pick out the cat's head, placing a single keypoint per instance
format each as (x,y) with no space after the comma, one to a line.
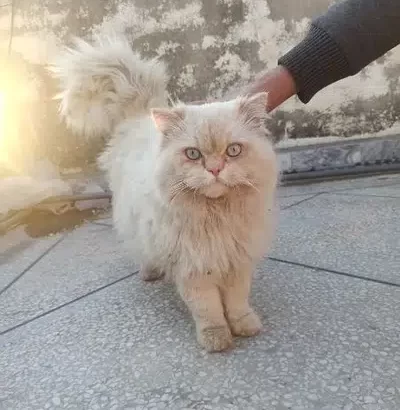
(213,149)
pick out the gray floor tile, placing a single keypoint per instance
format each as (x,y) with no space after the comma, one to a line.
(355,234)
(18,251)
(105,217)
(330,343)
(386,191)
(290,201)
(87,258)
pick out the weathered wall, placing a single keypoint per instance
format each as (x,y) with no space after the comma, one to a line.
(213,46)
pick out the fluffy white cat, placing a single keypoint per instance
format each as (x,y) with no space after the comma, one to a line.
(193,185)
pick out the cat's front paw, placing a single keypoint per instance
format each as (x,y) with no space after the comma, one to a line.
(247,325)
(149,274)
(215,339)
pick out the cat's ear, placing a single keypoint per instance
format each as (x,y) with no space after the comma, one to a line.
(168,120)
(253,109)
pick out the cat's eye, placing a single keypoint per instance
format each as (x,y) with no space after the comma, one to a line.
(234,150)
(193,153)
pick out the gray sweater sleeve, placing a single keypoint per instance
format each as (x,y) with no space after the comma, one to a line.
(342,42)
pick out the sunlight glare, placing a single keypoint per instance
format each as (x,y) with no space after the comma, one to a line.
(2,115)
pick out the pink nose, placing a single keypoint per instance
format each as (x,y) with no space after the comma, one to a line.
(215,170)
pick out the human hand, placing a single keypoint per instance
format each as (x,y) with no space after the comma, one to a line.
(278,83)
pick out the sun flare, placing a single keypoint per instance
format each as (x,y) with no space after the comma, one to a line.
(2,115)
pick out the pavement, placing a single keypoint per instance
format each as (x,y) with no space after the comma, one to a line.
(80,330)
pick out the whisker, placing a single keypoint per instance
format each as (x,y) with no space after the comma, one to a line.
(249,184)
(177,189)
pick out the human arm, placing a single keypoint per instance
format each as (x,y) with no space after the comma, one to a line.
(340,43)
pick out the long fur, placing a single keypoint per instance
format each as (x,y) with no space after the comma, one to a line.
(106,82)
(178,220)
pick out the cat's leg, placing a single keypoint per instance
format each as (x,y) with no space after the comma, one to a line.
(235,295)
(150,273)
(203,298)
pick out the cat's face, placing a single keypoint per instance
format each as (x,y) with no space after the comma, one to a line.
(214,148)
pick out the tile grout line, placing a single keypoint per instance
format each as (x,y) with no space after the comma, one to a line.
(31,265)
(336,272)
(92,292)
(302,200)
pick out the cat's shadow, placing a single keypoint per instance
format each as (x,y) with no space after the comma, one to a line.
(172,312)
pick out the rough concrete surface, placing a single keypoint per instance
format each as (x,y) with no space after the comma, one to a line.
(80,330)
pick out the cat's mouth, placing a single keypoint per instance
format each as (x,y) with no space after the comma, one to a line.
(215,190)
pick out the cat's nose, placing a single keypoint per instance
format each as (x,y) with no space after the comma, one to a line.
(214,165)
(215,170)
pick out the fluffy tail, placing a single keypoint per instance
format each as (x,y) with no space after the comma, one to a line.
(104,83)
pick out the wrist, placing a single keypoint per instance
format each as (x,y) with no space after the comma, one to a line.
(278,83)
(282,87)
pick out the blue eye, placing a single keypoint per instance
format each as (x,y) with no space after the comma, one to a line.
(193,153)
(234,150)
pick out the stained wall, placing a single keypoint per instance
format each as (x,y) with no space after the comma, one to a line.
(211,48)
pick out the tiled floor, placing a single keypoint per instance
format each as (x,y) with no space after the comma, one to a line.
(79,330)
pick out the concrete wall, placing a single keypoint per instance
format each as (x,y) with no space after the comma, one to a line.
(212,47)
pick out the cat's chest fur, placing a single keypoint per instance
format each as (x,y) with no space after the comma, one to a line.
(210,236)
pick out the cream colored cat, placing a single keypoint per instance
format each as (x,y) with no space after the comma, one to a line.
(193,186)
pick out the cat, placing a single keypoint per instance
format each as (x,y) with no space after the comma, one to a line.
(193,185)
